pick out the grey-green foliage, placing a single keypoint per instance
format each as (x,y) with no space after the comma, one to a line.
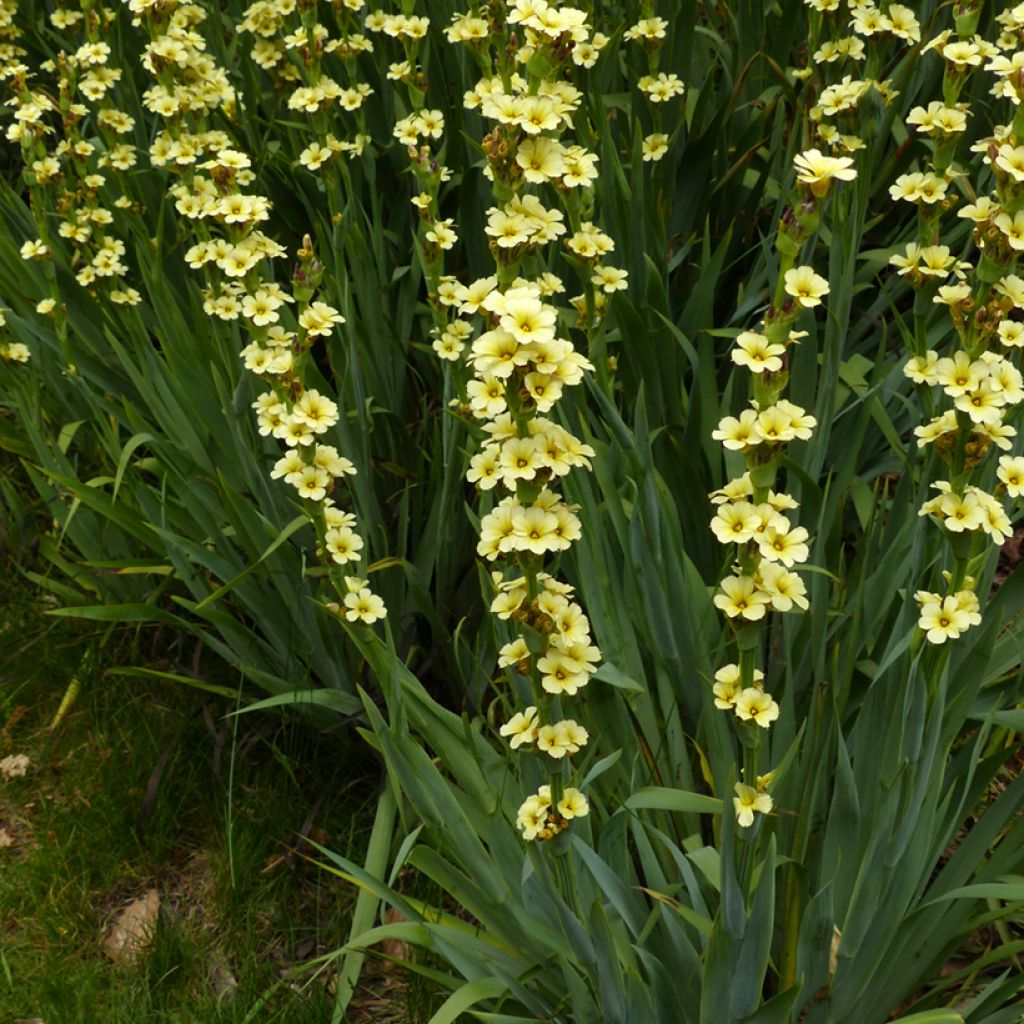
(847,901)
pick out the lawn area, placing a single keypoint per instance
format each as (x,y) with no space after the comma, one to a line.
(145,786)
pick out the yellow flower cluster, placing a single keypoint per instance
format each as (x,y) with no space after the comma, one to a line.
(919,187)
(945,618)
(847,29)
(521,361)
(71,141)
(755,517)
(313,62)
(979,382)
(983,390)
(420,132)
(1011,38)
(234,255)
(409,30)
(558,740)
(569,657)
(14,352)
(967,510)
(926,262)
(750,703)
(754,428)
(749,513)
(11,52)
(658,87)
(939,122)
(542,817)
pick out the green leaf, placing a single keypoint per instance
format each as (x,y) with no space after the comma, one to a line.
(611,886)
(661,799)
(608,673)
(777,1010)
(931,1017)
(1006,891)
(755,946)
(296,524)
(152,673)
(118,613)
(122,464)
(67,434)
(367,901)
(336,700)
(469,995)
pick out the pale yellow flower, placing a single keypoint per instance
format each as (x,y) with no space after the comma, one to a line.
(753,704)
(740,598)
(756,353)
(816,169)
(654,147)
(748,801)
(522,727)
(804,285)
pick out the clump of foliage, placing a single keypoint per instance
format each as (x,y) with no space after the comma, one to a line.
(639,484)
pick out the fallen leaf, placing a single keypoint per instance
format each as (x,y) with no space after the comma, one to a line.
(222,981)
(14,766)
(273,863)
(132,931)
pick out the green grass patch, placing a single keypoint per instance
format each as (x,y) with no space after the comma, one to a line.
(148,786)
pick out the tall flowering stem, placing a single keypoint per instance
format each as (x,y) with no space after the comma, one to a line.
(969,388)
(658,87)
(236,257)
(753,518)
(512,372)
(309,51)
(70,135)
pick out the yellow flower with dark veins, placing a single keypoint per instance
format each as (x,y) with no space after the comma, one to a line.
(541,159)
(942,619)
(1011,474)
(757,353)
(754,705)
(318,319)
(735,522)
(562,673)
(343,544)
(573,804)
(736,434)
(655,146)
(807,287)
(741,598)
(727,686)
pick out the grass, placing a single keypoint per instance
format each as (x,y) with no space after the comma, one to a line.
(150,785)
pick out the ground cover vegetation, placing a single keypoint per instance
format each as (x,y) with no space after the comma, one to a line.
(129,796)
(608,413)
